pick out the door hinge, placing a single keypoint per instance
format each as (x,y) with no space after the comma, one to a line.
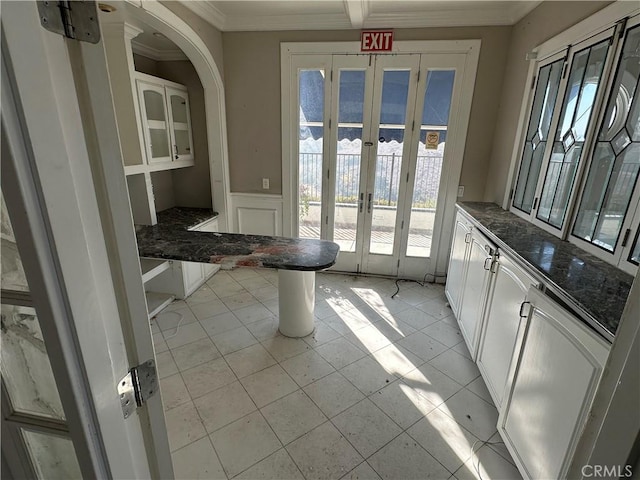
(413,125)
(137,386)
(398,263)
(533,82)
(535,203)
(329,124)
(510,194)
(407,176)
(418,76)
(331,76)
(326,220)
(73,19)
(564,69)
(626,237)
(402,225)
(328,174)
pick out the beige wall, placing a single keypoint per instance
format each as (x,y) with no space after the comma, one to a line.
(546,21)
(191,186)
(252,89)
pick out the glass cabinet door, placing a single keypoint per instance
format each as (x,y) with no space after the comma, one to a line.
(154,122)
(179,117)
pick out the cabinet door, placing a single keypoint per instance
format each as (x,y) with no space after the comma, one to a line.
(554,381)
(501,324)
(180,119)
(457,263)
(193,276)
(476,284)
(155,126)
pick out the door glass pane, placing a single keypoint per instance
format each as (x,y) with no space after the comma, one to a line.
(159,142)
(182,142)
(433,134)
(13,277)
(616,161)
(581,92)
(310,138)
(154,105)
(53,457)
(178,109)
(537,134)
(25,364)
(349,158)
(384,201)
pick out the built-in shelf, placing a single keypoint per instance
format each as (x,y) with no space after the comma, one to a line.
(156,302)
(152,267)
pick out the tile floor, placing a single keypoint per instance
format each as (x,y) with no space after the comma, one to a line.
(383,388)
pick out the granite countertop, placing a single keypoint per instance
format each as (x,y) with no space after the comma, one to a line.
(171,239)
(596,286)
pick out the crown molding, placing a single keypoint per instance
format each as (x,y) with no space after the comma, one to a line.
(157,55)
(358,14)
(207,12)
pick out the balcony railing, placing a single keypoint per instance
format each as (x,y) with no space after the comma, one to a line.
(387,183)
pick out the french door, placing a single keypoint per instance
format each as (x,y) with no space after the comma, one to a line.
(372,133)
(73,311)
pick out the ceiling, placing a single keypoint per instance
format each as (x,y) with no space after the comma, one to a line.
(252,15)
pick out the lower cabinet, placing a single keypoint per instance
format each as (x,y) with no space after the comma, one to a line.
(476,284)
(458,262)
(554,377)
(502,322)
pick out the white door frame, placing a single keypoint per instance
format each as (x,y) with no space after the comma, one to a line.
(455,150)
(63,168)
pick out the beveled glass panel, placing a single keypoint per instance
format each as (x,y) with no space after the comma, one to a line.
(435,118)
(537,134)
(178,109)
(615,165)
(13,277)
(26,369)
(53,457)
(159,142)
(577,107)
(310,150)
(154,105)
(395,91)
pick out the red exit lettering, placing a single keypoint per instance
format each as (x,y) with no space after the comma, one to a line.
(376,41)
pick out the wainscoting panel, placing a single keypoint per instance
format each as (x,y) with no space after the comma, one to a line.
(256,214)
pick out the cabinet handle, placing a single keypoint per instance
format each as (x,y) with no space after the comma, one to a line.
(490,260)
(522,309)
(361,202)
(369,203)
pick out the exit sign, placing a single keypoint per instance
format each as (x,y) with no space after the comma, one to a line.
(376,40)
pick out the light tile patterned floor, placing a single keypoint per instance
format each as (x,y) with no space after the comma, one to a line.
(384,387)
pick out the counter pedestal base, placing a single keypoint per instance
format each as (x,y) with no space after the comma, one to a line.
(297,295)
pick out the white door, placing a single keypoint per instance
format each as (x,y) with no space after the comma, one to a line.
(372,164)
(82,298)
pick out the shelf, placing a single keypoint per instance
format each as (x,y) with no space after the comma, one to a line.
(157,301)
(152,267)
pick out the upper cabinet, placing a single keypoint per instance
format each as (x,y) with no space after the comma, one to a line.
(165,122)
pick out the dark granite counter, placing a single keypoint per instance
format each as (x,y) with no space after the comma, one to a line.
(170,239)
(593,285)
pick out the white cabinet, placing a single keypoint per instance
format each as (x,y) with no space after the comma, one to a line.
(457,262)
(166,122)
(554,379)
(476,284)
(502,321)
(468,279)
(211,225)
